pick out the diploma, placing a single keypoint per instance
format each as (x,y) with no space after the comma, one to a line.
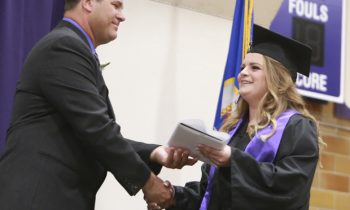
(191,133)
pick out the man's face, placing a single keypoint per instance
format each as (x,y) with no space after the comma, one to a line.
(104,20)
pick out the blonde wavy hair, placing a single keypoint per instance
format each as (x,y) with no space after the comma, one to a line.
(281,95)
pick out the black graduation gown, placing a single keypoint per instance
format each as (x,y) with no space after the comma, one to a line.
(250,185)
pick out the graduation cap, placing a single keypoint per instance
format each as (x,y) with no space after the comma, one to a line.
(294,55)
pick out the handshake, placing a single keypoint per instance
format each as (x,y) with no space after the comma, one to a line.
(160,194)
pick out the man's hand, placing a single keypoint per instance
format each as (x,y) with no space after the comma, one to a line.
(156,206)
(157,191)
(220,158)
(172,157)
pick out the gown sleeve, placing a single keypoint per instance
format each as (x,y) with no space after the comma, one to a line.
(190,196)
(283,184)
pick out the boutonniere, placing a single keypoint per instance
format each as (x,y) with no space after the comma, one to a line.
(103,66)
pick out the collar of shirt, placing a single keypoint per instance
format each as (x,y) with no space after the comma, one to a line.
(82,30)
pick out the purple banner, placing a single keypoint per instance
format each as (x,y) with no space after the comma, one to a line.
(318,23)
(22,24)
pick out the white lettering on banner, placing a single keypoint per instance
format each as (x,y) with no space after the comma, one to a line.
(314,81)
(310,10)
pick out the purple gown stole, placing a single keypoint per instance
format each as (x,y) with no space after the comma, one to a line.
(262,151)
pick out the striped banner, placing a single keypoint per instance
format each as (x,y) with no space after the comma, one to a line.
(239,44)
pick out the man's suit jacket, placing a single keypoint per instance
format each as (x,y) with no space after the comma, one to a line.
(63,136)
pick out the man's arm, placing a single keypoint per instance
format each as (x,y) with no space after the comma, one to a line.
(69,81)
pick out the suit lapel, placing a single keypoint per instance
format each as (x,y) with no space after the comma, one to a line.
(101,83)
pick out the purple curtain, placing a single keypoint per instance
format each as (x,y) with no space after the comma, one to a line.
(22,24)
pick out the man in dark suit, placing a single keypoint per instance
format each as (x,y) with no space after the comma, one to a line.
(63,137)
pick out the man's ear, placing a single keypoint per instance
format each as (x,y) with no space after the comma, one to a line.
(87,5)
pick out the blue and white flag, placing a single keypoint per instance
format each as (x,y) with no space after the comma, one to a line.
(242,26)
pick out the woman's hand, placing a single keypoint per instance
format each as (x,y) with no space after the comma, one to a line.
(220,157)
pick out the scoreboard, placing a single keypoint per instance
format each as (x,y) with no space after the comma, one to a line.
(320,24)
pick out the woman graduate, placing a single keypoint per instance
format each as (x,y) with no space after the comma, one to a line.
(272,156)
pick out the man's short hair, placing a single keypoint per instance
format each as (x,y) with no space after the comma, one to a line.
(70,4)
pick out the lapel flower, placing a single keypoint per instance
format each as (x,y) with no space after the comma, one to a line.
(103,66)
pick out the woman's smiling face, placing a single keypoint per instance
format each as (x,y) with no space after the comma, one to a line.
(252,78)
